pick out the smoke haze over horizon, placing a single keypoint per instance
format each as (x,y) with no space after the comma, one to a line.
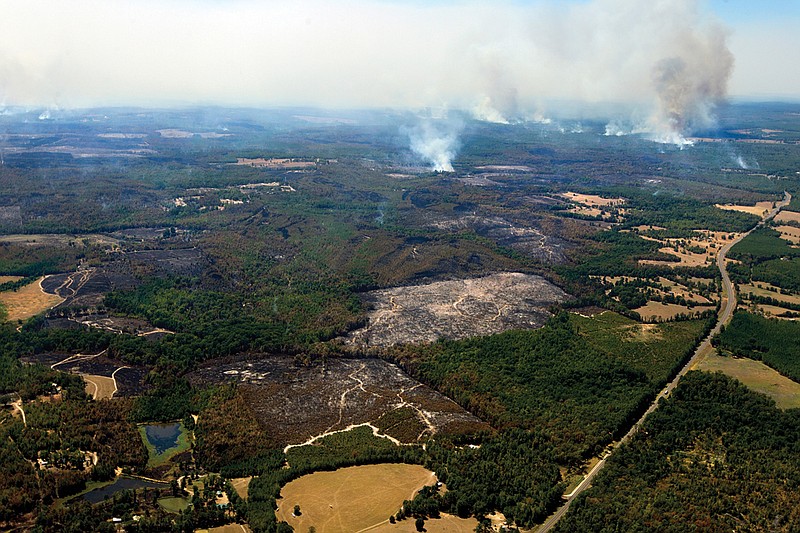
(665,61)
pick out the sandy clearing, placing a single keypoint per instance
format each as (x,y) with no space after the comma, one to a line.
(350,499)
(28,301)
(760,209)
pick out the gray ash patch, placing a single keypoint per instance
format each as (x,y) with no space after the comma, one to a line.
(457,309)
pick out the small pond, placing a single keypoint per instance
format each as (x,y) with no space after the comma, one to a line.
(123,483)
(163,436)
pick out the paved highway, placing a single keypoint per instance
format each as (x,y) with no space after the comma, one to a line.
(726,312)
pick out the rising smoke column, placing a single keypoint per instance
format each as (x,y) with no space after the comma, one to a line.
(436,141)
(690,84)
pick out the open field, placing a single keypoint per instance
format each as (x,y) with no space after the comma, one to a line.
(350,499)
(99,387)
(789,233)
(446,524)
(6,279)
(788,216)
(28,301)
(774,311)
(760,209)
(457,309)
(679,290)
(759,288)
(659,312)
(274,163)
(757,376)
(240,485)
(592,200)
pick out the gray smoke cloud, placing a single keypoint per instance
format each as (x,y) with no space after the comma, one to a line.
(505,61)
(436,142)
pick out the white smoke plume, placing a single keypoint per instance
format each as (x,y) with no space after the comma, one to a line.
(506,61)
(436,141)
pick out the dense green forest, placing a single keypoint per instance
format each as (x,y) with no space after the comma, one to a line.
(714,457)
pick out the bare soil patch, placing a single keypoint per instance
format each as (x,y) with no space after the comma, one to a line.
(757,376)
(457,309)
(297,403)
(760,209)
(28,301)
(350,499)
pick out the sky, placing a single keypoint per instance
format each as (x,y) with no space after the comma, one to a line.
(667,60)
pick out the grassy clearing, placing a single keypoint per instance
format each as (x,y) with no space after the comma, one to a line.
(6,279)
(768,291)
(156,459)
(28,301)
(787,216)
(756,376)
(229,528)
(350,499)
(173,505)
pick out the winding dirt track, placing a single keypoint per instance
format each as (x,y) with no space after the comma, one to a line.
(726,312)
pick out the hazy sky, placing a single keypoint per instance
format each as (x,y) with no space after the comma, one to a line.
(496,58)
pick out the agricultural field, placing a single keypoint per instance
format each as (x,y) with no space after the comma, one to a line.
(350,499)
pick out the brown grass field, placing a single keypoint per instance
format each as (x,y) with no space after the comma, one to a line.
(760,288)
(28,301)
(99,387)
(789,233)
(787,216)
(760,209)
(659,312)
(240,485)
(710,241)
(592,200)
(773,311)
(350,499)
(6,279)
(755,375)
(446,524)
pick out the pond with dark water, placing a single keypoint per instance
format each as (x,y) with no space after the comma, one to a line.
(123,483)
(163,436)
